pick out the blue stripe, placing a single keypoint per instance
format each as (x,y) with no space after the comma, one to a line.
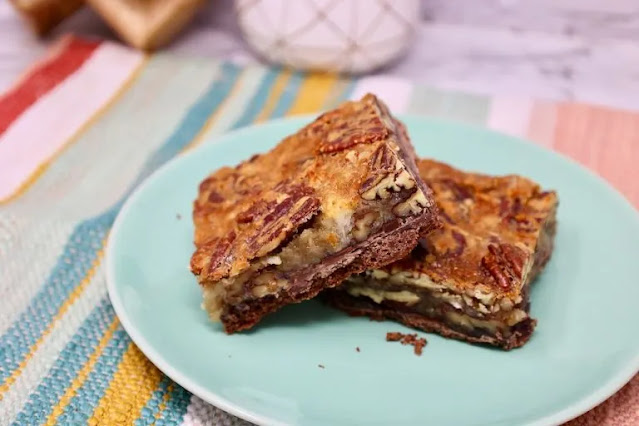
(175,409)
(259,99)
(78,255)
(72,358)
(194,119)
(80,252)
(152,406)
(87,397)
(289,94)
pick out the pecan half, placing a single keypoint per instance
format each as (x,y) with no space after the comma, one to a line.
(383,159)
(504,263)
(339,140)
(274,221)
(213,257)
(293,189)
(255,211)
(340,130)
(382,164)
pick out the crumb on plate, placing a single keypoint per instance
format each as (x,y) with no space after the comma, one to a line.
(418,343)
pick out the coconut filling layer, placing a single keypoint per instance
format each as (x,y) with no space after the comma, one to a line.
(333,230)
(424,296)
(268,275)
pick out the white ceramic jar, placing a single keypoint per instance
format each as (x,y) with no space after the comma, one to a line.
(334,35)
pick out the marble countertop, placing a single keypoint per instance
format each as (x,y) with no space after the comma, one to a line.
(582,50)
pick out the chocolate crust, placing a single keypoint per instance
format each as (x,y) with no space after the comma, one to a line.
(357,306)
(380,249)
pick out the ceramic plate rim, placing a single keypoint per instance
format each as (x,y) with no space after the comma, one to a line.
(603,392)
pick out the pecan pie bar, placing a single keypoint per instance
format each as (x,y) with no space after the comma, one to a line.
(340,196)
(470,279)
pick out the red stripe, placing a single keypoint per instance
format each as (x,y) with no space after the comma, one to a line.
(43,78)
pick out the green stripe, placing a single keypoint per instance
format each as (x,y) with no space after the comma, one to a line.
(450,105)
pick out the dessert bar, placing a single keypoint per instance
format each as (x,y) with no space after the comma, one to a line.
(470,279)
(340,196)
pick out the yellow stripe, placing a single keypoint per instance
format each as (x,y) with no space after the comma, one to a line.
(313,93)
(75,294)
(82,374)
(132,385)
(33,177)
(276,92)
(216,113)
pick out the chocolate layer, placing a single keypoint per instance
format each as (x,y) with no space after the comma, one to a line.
(513,337)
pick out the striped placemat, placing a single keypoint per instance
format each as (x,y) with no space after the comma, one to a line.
(89,122)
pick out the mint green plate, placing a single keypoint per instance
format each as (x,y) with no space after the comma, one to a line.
(585,347)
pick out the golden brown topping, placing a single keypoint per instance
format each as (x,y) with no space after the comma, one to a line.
(459,191)
(270,199)
(339,130)
(461,244)
(490,229)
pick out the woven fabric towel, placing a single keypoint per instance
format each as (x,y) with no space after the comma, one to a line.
(67,129)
